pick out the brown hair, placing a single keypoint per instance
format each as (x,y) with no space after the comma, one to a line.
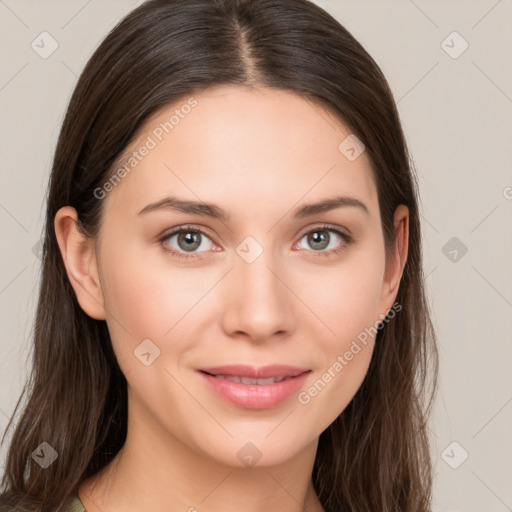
(375,455)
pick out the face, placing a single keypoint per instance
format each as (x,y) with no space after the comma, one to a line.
(253,279)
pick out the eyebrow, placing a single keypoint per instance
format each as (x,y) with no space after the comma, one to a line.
(216,212)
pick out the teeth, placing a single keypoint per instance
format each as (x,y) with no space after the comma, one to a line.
(248,380)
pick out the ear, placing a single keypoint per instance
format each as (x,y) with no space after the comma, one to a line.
(79,259)
(395,266)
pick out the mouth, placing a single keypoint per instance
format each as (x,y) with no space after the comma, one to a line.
(254,388)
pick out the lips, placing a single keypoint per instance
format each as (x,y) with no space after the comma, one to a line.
(254,387)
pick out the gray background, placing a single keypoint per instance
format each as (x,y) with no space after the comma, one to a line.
(456,109)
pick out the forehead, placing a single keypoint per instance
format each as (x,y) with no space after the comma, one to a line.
(239,145)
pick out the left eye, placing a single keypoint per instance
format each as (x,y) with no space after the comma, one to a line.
(319,239)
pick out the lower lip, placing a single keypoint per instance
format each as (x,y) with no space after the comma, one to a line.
(254,396)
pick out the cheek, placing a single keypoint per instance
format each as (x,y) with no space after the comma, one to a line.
(345,298)
(144,297)
(148,300)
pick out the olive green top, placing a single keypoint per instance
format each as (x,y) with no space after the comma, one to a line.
(76,506)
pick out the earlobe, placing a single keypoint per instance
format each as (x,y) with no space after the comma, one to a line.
(79,258)
(395,267)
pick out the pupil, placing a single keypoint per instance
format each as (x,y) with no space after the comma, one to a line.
(189,237)
(319,237)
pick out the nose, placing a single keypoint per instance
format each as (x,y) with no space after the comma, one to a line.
(258,300)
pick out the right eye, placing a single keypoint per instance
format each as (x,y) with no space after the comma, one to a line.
(188,240)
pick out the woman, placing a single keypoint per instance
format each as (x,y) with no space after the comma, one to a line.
(232,310)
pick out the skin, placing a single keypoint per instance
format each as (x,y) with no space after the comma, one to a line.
(259,154)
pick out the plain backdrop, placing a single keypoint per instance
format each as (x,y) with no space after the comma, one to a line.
(449,66)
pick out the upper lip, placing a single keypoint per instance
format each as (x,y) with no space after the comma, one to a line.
(260,372)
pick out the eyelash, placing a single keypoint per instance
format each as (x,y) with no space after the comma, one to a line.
(347,240)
